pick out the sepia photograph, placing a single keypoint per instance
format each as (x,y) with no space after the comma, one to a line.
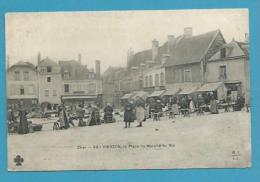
(120,90)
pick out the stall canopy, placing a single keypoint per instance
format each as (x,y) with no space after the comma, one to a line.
(218,87)
(187,90)
(79,97)
(127,96)
(210,87)
(157,93)
(141,94)
(172,91)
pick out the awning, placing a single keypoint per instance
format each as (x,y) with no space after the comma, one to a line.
(141,94)
(157,93)
(172,91)
(232,82)
(22,97)
(126,96)
(79,97)
(187,90)
(209,87)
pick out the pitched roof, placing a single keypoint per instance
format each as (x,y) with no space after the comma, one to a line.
(24,64)
(75,70)
(140,58)
(185,50)
(244,46)
(146,55)
(47,62)
(191,49)
(233,49)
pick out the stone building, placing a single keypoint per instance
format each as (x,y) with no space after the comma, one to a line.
(230,65)
(80,85)
(49,81)
(22,85)
(186,67)
(112,85)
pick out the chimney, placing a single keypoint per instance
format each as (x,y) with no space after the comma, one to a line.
(171,42)
(246,37)
(98,74)
(155,48)
(187,32)
(79,58)
(39,58)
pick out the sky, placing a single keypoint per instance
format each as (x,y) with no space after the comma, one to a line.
(108,35)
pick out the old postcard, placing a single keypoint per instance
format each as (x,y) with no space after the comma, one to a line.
(114,90)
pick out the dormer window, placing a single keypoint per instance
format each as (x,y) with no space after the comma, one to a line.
(223,53)
(66,75)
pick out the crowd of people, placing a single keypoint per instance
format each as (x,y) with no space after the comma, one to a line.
(139,109)
(66,115)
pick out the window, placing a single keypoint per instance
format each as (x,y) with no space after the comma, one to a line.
(34,101)
(157,80)
(66,75)
(187,75)
(66,88)
(26,75)
(223,53)
(46,92)
(48,69)
(42,70)
(22,90)
(48,79)
(16,75)
(146,81)
(222,72)
(150,81)
(54,93)
(162,79)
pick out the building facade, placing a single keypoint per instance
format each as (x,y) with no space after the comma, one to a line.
(49,81)
(80,85)
(230,65)
(154,78)
(112,85)
(22,85)
(186,67)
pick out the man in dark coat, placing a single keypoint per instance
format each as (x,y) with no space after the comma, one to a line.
(23,127)
(95,116)
(129,115)
(108,113)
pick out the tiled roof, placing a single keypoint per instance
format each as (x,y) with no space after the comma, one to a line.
(146,55)
(192,49)
(184,51)
(244,46)
(47,62)
(24,64)
(233,49)
(75,70)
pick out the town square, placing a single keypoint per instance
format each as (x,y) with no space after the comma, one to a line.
(88,91)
